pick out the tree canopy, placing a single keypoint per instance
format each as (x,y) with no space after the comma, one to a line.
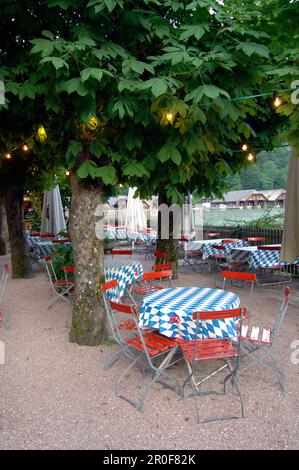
(139,87)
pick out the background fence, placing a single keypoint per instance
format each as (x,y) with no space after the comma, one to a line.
(272,236)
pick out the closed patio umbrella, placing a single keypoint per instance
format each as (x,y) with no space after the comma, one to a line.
(187,217)
(290,238)
(135,214)
(52,216)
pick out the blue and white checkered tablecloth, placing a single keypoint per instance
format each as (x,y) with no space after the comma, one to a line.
(208,249)
(122,234)
(170,312)
(125,271)
(259,259)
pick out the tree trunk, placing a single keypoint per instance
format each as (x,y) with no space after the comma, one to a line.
(170,245)
(20,258)
(2,227)
(88,323)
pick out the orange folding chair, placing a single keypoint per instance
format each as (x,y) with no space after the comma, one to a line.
(204,349)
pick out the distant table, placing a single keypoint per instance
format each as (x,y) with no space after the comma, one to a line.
(170,312)
(260,259)
(125,271)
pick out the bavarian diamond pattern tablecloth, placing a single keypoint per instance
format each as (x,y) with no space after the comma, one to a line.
(259,259)
(125,271)
(208,249)
(170,312)
(122,234)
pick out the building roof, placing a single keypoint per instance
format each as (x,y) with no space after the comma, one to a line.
(244,194)
(236,196)
(272,194)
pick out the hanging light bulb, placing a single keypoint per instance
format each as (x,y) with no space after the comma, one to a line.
(93,123)
(25,148)
(169,116)
(8,156)
(67,173)
(42,135)
(244,147)
(120,185)
(277,102)
(250,157)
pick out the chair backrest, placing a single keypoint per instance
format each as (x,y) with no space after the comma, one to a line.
(157,275)
(47,235)
(68,270)
(35,234)
(162,267)
(121,252)
(281,314)
(238,275)
(219,247)
(160,254)
(50,269)
(199,316)
(230,240)
(269,248)
(213,234)
(108,285)
(255,239)
(251,277)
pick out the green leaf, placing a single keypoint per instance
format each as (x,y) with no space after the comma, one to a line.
(97,148)
(88,168)
(107,174)
(134,169)
(73,150)
(250,48)
(159,87)
(176,156)
(193,30)
(91,72)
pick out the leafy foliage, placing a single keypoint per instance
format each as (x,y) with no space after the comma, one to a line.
(105,93)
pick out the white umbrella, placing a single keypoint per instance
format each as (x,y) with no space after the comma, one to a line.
(52,216)
(290,238)
(135,214)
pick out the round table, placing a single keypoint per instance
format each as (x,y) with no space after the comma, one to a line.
(170,312)
(125,271)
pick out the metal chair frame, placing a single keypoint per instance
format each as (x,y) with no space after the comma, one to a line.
(62,288)
(202,349)
(259,351)
(244,277)
(117,332)
(150,347)
(147,284)
(267,278)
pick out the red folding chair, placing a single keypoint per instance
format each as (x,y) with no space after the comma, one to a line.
(3,281)
(244,277)
(118,326)
(162,267)
(255,240)
(257,344)
(115,251)
(61,287)
(151,350)
(151,282)
(202,349)
(161,256)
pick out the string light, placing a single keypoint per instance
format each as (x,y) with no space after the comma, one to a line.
(277,102)
(67,173)
(25,148)
(169,116)
(244,147)
(41,132)
(250,157)
(8,156)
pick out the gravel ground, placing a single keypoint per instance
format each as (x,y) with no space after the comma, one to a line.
(55,395)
